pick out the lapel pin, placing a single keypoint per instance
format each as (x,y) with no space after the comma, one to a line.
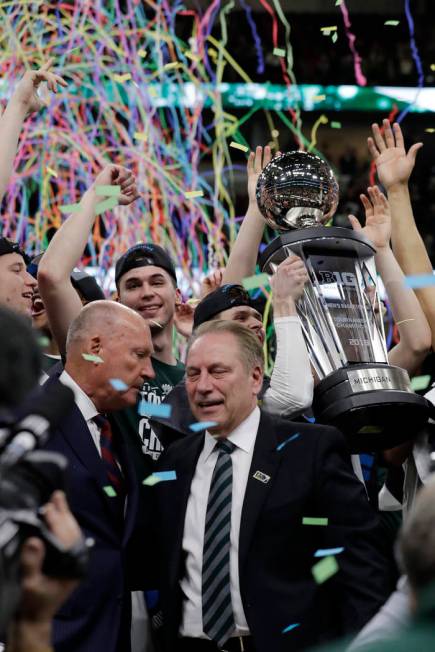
(259,475)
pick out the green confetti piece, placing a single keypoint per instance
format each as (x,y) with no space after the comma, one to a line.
(43,341)
(420,382)
(191,194)
(335,125)
(242,148)
(325,569)
(392,23)
(70,208)
(338,2)
(279,52)
(334,37)
(108,191)
(151,480)
(106,205)
(110,491)
(256,281)
(314,520)
(92,358)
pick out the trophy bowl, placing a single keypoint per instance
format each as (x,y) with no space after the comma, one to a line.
(297,190)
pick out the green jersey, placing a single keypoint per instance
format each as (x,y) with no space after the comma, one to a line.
(141,437)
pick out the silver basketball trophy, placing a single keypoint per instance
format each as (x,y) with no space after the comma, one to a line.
(340,310)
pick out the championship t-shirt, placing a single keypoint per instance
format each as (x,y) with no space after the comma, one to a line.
(142,440)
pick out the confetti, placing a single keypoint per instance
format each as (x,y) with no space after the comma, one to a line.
(191,194)
(108,191)
(334,37)
(326,552)
(160,476)
(256,281)
(172,66)
(319,98)
(106,205)
(432,66)
(279,52)
(70,208)
(202,425)
(419,281)
(392,23)
(290,627)
(139,136)
(403,321)
(118,384)
(284,443)
(419,383)
(122,78)
(338,2)
(147,409)
(335,125)
(327,30)
(310,419)
(314,520)
(191,56)
(324,569)
(51,171)
(43,341)
(92,358)
(430,130)
(142,53)
(242,148)
(110,491)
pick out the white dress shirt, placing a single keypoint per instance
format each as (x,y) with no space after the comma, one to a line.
(86,407)
(243,437)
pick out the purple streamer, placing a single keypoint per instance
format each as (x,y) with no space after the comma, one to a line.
(257,41)
(417,60)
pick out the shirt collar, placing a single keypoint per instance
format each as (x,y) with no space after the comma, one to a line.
(82,400)
(242,437)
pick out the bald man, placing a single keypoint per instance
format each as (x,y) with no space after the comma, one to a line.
(106,342)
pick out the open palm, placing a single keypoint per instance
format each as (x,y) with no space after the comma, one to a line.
(394,165)
(378,219)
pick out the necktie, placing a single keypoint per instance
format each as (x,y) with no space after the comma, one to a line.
(217,610)
(108,458)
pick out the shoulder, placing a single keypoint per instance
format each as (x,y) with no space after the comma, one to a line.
(309,433)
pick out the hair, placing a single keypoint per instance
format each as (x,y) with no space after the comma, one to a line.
(107,314)
(417,540)
(20,357)
(251,352)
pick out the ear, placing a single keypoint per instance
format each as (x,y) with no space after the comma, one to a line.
(95,345)
(178,297)
(257,378)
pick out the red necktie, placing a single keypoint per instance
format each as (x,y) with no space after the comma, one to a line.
(108,458)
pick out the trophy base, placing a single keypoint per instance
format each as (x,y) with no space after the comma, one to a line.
(372,405)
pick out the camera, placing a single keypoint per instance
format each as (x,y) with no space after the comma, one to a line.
(28,478)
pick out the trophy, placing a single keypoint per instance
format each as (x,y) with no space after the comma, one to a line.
(357,391)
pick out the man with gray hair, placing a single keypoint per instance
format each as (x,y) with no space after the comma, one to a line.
(107,360)
(238,525)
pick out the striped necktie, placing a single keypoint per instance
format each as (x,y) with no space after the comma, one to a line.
(217,611)
(108,457)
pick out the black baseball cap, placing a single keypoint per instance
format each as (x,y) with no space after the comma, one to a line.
(227,296)
(84,283)
(141,255)
(10,247)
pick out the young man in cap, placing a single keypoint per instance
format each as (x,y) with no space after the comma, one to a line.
(16,285)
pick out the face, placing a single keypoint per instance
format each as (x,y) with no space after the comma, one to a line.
(17,285)
(150,292)
(246,316)
(126,352)
(219,386)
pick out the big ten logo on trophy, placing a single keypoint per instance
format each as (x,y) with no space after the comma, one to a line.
(347,279)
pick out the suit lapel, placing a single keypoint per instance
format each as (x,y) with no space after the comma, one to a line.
(79,438)
(265,460)
(132,488)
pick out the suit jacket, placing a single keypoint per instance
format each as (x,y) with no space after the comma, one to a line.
(96,618)
(310,476)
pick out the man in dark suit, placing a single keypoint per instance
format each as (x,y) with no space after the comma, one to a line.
(106,342)
(236,556)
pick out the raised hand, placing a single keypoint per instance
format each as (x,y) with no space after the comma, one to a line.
(211,282)
(256,162)
(378,218)
(394,165)
(116,175)
(26,92)
(183,318)
(289,279)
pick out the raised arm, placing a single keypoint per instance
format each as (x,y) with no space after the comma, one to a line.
(291,384)
(411,322)
(66,248)
(394,166)
(243,255)
(24,101)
